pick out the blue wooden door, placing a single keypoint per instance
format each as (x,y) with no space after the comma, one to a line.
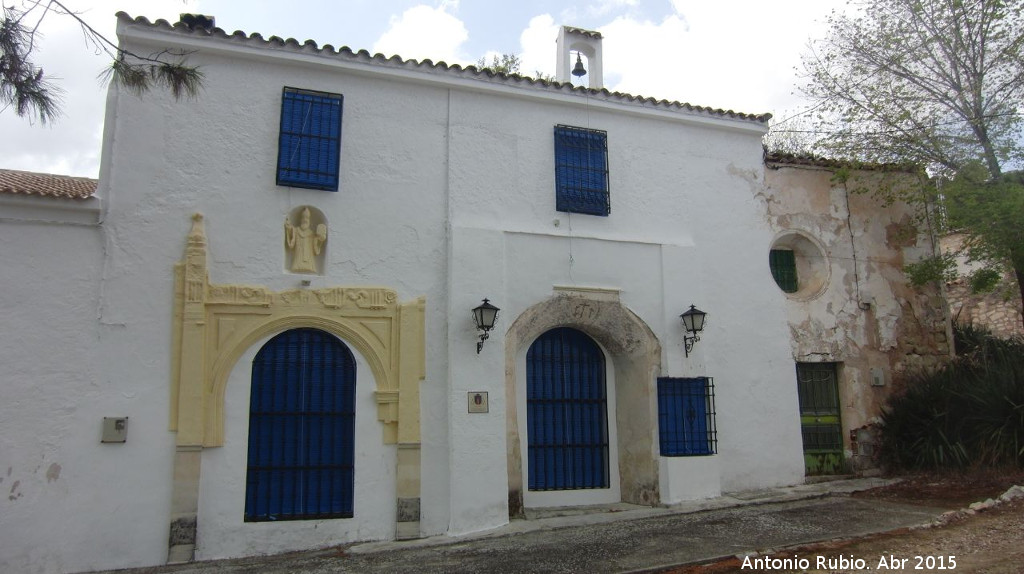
(301,429)
(567,412)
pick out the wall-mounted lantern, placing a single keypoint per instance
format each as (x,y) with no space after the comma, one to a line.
(693,322)
(484,316)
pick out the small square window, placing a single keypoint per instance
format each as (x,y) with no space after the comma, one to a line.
(581,171)
(783,265)
(686,416)
(309,149)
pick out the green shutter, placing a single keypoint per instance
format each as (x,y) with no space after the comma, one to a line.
(783,265)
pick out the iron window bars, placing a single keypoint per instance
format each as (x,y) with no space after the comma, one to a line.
(686,416)
(309,150)
(301,429)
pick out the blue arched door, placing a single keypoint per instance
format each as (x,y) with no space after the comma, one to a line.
(301,429)
(567,412)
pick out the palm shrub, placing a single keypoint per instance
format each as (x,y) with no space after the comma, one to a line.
(969,412)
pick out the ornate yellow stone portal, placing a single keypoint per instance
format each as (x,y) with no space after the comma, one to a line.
(215,324)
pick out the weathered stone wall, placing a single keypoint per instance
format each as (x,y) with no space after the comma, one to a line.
(999,311)
(855,305)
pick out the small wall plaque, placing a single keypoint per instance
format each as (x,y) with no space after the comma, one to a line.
(478,402)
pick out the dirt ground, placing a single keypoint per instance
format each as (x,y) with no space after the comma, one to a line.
(986,542)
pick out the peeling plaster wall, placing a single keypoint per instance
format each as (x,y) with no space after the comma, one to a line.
(866,315)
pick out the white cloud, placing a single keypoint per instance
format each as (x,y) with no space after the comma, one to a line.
(744,62)
(72,144)
(423,32)
(606,6)
(537,43)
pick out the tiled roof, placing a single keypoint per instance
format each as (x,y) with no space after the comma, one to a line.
(46,184)
(589,33)
(781,158)
(344,52)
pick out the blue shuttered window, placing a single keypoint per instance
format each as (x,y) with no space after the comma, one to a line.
(567,420)
(309,150)
(581,171)
(301,429)
(686,416)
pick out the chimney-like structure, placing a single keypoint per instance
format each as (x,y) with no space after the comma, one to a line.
(198,21)
(572,40)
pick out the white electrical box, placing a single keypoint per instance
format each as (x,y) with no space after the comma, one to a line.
(877,377)
(115,429)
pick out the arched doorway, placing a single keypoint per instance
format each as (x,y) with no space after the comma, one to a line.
(567,412)
(632,363)
(301,445)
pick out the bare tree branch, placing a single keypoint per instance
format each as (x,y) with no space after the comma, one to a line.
(29,92)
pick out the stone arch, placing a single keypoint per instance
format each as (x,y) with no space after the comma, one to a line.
(214,324)
(635,353)
(349,332)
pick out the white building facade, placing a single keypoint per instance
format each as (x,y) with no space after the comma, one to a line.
(269,324)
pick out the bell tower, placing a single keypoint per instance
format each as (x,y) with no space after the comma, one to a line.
(586,43)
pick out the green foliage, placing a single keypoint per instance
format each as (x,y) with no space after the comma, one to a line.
(509,64)
(938,83)
(504,64)
(985,280)
(139,77)
(934,82)
(22,85)
(940,268)
(990,212)
(26,89)
(968,413)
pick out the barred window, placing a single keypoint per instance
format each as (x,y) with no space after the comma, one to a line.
(301,429)
(686,416)
(581,171)
(309,147)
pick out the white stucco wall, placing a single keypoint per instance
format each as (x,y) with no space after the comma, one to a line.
(69,502)
(446,191)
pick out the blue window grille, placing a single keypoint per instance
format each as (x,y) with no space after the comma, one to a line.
(686,416)
(301,429)
(309,149)
(567,420)
(581,171)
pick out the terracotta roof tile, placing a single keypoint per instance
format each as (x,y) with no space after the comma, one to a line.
(590,33)
(782,158)
(46,184)
(485,74)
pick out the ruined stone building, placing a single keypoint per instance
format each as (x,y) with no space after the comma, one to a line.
(998,310)
(257,334)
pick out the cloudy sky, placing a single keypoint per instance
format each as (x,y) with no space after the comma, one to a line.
(731,54)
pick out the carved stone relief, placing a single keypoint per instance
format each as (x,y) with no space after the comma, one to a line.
(305,233)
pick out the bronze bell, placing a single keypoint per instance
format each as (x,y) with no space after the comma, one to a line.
(579,70)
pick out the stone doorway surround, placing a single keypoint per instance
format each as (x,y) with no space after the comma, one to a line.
(215,324)
(635,354)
